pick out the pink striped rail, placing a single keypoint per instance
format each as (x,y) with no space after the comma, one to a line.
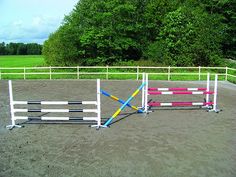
(176,89)
(179,93)
(158,104)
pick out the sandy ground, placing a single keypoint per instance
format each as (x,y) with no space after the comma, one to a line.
(165,143)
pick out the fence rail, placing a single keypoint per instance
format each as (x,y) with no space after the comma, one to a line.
(116,72)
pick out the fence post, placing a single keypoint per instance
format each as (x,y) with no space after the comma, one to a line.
(24,73)
(169,73)
(137,73)
(107,73)
(77,72)
(50,72)
(226,73)
(199,73)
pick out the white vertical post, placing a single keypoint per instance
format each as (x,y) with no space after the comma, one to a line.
(226,73)
(137,73)
(208,88)
(11,103)
(13,123)
(98,105)
(199,73)
(215,94)
(24,73)
(143,91)
(169,73)
(107,73)
(77,72)
(146,94)
(50,72)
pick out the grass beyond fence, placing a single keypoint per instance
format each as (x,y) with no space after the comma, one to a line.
(21,60)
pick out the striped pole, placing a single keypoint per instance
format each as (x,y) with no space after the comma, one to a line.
(124,105)
(121,101)
(180,93)
(56,110)
(176,89)
(55,118)
(173,104)
(55,102)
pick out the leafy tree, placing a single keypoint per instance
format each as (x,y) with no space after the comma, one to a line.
(34,49)
(12,48)
(104,32)
(173,32)
(20,49)
(226,8)
(2,48)
(189,36)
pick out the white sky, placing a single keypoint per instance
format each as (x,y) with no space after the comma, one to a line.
(31,20)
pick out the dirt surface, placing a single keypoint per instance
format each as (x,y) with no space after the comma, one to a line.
(165,143)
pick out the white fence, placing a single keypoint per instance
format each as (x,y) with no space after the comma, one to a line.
(114,72)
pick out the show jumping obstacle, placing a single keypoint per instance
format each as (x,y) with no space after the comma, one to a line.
(212,106)
(146,105)
(97,103)
(108,122)
(121,101)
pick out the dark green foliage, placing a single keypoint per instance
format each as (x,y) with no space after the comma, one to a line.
(2,49)
(34,49)
(20,49)
(170,32)
(188,36)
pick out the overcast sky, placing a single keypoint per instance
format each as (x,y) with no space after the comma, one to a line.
(31,20)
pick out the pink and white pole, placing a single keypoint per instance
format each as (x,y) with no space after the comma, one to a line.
(176,91)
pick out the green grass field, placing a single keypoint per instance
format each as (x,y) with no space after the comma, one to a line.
(21,60)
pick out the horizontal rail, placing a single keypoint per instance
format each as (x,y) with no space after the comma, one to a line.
(176,89)
(56,110)
(80,71)
(54,118)
(231,69)
(91,73)
(231,75)
(157,104)
(179,93)
(115,67)
(56,102)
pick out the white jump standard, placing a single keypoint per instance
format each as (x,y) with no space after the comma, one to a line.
(97,103)
(211,106)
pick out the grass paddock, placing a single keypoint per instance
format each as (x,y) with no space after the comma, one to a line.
(21,60)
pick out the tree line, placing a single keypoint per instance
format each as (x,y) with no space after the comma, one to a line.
(20,49)
(167,32)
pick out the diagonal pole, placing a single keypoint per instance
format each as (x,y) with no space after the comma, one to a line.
(121,101)
(124,105)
